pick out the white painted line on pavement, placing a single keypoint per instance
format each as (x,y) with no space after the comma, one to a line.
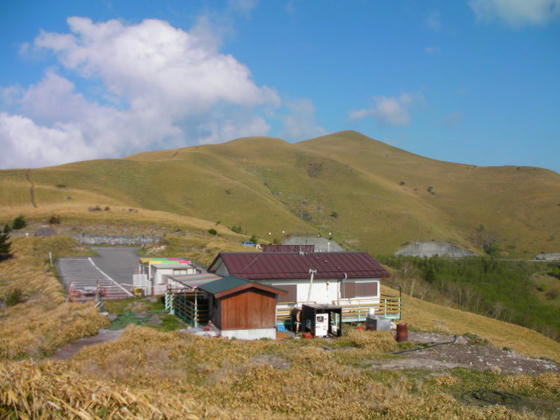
(108,277)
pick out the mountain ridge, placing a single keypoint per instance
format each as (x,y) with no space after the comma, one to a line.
(368,194)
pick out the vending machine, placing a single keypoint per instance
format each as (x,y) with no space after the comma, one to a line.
(321,325)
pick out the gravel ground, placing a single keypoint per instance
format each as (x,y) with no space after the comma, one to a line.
(463,352)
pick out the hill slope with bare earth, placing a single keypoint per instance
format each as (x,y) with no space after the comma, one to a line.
(370,195)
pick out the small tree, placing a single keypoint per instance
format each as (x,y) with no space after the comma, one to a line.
(253,239)
(54,219)
(5,245)
(19,222)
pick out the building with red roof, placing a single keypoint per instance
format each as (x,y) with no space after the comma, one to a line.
(339,278)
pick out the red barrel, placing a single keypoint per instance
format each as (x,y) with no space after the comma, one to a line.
(402,332)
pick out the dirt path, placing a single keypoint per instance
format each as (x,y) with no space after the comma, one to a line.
(32,188)
(441,352)
(102,337)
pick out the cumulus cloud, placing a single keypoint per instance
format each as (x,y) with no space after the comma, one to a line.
(517,12)
(299,122)
(25,141)
(168,88)
(389,110)
(153,62)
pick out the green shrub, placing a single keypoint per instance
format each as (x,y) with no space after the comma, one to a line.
(19,222)
(236,229)
(5,246)
(212,231)
(14,297)
(501,289)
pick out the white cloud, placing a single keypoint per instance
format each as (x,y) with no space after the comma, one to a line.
(517,12)
(433,21)
(299,123)
(168,88)
(24,142)
(389,110)
(153,62)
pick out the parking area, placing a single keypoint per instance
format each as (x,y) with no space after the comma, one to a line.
(111,271)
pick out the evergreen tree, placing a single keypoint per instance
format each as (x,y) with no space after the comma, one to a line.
(5,246)
(19,222)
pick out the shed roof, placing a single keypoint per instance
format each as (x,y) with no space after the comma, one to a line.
(194,281)
(163,260)
(231,284)
(332,265)
(177,266)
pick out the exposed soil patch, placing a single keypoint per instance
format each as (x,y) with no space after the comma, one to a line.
(442,352)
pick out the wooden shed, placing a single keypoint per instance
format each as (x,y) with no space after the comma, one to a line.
(243,309)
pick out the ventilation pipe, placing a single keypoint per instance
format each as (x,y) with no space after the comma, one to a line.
(342,285)
(312,272)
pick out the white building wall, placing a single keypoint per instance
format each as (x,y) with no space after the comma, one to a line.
(327,291)
(160,273)
(322,291)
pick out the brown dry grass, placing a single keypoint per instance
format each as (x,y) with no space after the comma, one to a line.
(377,341)
(44,321)
(200,247)
(269,379)
(119,217)
(48,391)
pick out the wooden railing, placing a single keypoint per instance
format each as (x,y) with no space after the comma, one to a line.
(388,307)
(183,305)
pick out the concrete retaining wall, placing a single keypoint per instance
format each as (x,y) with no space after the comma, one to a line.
(431,249)
(255,334)
(116,240)
(549,257)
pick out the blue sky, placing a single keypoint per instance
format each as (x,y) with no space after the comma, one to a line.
(473,81)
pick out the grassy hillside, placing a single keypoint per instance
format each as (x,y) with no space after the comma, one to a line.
(524,293)
(37,320)
(370,195)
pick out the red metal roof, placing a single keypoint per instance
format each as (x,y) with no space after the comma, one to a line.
(288,248)
(274,265)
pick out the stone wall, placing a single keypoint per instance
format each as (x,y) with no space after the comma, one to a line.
(549,257)
(431,249)
(116,239)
